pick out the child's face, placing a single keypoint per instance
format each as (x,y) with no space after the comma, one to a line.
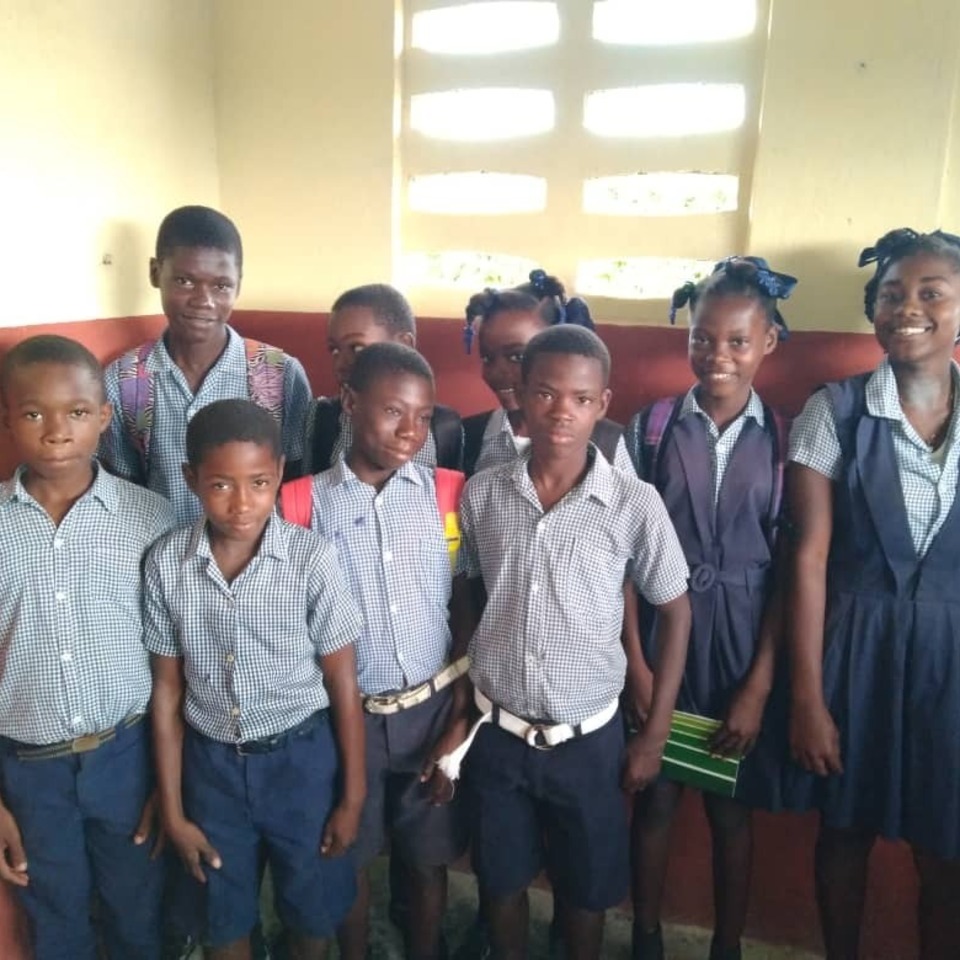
(350,330)
(391,420)
(729,337)
(503,338)
(55,413)
(237,484)
(562,399)
(917,314)
(198,288)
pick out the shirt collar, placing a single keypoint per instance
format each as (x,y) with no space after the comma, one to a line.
(340,473)
(881,395)
(598,483)
(159,358)
(103,489)
(754,407)
(273,543)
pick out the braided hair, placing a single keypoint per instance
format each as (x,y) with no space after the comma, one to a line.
(542,294)
(740,277)
(897,245)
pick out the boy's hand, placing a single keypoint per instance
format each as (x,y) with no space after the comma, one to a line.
(442,788)
(814,739)
(741,726)
(639,697)
(341,830)
(13,858)
(194,848)
(150,820)
(644,757)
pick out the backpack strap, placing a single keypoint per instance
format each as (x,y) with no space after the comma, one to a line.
(296,501)
(449,485)
(778,428)
(136,398)
(447,431)
(474,429)
(326,429)
(266,366)
(659,420)
(606,435)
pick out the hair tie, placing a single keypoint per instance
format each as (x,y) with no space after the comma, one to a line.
(777,286)
(578,313)
(681,297)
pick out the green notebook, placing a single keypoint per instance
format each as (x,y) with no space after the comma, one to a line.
(687,757)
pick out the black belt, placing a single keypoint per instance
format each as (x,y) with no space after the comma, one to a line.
(269,744)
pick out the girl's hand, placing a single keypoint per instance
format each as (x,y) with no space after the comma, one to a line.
(194,848)
(150,821)
(741,726)
(814,739)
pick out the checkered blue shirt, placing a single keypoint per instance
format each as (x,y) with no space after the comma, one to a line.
(250,648)
(174,405)
(548,645)
(500,445)
(928,478)
(426,456)
(72,660)
(394,553)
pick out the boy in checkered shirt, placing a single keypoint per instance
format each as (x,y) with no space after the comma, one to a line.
(553,537)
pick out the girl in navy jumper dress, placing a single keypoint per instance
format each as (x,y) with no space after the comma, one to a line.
(875,597)
(716,455)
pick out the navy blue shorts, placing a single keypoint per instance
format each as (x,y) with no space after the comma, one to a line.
(398,804)
(276,803)
(77,816)
(562,809)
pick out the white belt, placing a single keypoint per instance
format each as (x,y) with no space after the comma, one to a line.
(395,702)
(537,735)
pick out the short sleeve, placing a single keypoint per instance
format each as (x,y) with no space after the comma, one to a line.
(468,557)
(297,399)
(116,451)
(813,437)
(659,568)
(333,618)
(159,631)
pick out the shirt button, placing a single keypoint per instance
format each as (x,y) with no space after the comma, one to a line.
(77,721)
(393,608)
(66,656)
(387,556)
(61,596)
(378,503)
(534,587)
(57,542)
(235,712)
(230,658)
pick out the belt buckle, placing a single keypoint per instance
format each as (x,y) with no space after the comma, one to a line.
(536,737)
(382,699)
(87,743)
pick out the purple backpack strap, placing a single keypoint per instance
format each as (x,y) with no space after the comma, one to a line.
(136,398)
(265,370)
(659,418)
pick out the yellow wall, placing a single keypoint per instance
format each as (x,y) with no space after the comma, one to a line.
(106,122)
(282,112)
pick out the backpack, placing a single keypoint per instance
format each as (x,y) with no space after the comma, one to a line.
(657,423)
(265,372)
(325,428)
(606,436)
(296,504)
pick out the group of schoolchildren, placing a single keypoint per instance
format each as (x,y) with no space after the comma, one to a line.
(278,631)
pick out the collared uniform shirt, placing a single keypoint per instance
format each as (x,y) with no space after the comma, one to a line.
(501,445)
(174,406)
(250,648)
(392,548)
(721,444)
(72,660)
(548,645)
(928,477)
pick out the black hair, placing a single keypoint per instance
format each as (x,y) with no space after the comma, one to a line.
(897,245)
(542,293)
(388,305)
(749,277)
(570,341)
(384,360)
(197,226)
(231,421)
(49,348)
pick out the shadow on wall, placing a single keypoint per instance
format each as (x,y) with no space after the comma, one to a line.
(125,252)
